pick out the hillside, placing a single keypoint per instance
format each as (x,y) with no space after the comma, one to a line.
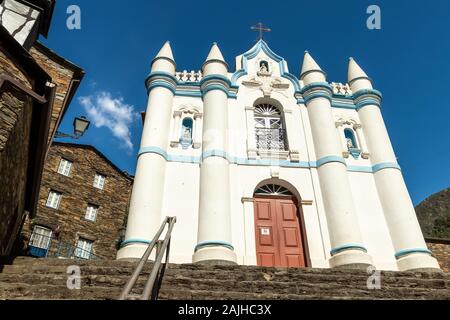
(434,215)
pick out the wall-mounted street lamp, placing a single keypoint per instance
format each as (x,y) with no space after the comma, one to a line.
(80,126)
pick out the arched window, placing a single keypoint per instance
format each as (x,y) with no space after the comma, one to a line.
(350,139)
(186,132)
(269,129)
(273,190)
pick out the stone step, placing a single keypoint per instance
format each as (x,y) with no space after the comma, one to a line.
(440,280)
(259,287)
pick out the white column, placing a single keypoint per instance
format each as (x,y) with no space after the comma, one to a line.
(411,249)
(347,245)
(197,131)
(144,217)
(292,136)
(176,129)
(214,222)
(249,222)
(252,151)
(348,248)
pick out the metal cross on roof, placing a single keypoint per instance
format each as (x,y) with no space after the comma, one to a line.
(261,29)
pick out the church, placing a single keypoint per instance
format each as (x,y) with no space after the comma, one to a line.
(264,168)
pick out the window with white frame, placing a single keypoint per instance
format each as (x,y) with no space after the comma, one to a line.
(54,199)
(99,181)
(269,128)
(65,166)
(91,212)
(84,248)
(41,237)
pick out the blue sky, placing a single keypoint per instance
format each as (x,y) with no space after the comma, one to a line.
(408,59)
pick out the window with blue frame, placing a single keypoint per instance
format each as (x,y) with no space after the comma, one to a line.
(186,133)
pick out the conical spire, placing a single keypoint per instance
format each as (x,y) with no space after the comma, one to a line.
(309,64)
(215,63)
(215,54)
(355,71)
(165,52)
(164,60)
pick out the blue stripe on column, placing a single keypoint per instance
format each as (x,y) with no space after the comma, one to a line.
(405,252)
(215,244)
(154,150)
(329,159)
(214,153)
(135,241)
(345,247)
(387,165)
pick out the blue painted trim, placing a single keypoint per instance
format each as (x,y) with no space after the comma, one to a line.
(162,84)
(211,87)
(367,102)
(265,162)
(387,165)
(361,169)
(161,74)
(317,95)
(214,243)
(315,85)
(364,92)
(330,159)
(192,94)
(350,246)
(154,150)
(134,241)
(405,252)
(340,105)
(213,77)
(215,153)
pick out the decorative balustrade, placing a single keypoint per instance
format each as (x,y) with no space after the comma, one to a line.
(341,89)
(191,76)
(271,139)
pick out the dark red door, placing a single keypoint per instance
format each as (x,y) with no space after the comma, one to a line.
(279,241)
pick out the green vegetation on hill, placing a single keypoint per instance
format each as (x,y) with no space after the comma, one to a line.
(434,215)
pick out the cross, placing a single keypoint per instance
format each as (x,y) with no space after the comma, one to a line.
(261,29)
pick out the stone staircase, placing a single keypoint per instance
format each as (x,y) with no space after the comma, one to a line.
(46,279)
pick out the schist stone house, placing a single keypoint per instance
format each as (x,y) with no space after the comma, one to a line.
(263,168)
(36,88)
(83,204)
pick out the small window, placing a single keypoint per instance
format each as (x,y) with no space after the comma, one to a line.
(65,166)
(54,199)
(99,181)
(91,212)
(186,132)
(350,139)
(41,237)
(84,249)
(264,67)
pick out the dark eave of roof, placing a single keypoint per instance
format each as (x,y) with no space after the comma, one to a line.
(78,73)
(90,147)
(47,8)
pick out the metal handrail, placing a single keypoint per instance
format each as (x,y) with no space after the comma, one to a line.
(150,291)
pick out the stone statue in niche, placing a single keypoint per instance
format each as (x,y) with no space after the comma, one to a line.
(350,143)
(264,69)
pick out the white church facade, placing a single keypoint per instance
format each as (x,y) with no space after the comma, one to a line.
(263,168)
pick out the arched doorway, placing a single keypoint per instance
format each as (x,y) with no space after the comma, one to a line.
(280,237)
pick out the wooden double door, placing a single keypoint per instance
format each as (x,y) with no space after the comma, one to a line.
(279,236)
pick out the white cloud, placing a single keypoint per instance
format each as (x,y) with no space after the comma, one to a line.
(105,111)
